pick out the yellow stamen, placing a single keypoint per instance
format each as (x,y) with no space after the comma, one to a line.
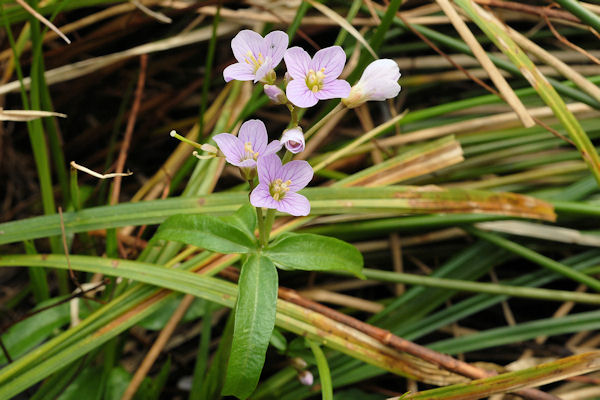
(278,188)
(314,80)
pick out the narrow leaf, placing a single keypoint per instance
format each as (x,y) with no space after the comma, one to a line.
(254,321)
(311,252)
(207,232)
(530,377)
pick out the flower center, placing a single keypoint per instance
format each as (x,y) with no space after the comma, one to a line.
(314,80)
(255,62)
(279,188)
(249,152)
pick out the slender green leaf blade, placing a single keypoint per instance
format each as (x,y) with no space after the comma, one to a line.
(207,232)
(254,321)
(311,252)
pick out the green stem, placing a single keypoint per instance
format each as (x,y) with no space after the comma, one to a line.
(294,113)
(287,157)
(268,224)
(322,121)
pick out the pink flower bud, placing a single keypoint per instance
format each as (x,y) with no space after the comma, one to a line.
(306,378)
(274,93)
(293,140)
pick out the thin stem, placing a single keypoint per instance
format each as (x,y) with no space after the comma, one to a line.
(268,224)
(323,120)
(294,113)
(262,236)
(287,157)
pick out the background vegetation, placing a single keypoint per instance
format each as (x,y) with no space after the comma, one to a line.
(476,210)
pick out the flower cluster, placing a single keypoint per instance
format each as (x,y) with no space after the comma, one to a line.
(307,81)
(278,184)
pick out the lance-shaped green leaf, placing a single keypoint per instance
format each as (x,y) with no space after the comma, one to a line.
(311,252)
(207,232)
(254,321)
(244,218)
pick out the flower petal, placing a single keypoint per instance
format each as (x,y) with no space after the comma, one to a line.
(338,88)
(379,80)
(293,139)
(274,46)
(261,197)
(239,72)
(331,59)
(272,148)
(247,163)
(269,168)
(246,41)
(295,204)
(296,62)
(298,93)
(255,132)
(381,69)
(299,172)
(263,70)
(231,146)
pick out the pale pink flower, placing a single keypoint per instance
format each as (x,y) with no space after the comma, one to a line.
(245,149)
(279,183)
(257,56)
(379,81)
(315,79)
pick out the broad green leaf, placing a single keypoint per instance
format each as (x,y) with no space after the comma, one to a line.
(207,232)
(311,252)
(244,218)
(254,322)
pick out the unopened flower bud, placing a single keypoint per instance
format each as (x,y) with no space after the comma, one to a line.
(306,378)
(269,78)
(274,93)
(298,363)
(293,140)
(379,81)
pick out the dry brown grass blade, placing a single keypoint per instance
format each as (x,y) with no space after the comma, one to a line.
(473,125)
(403,167)
(503,87)
(43,20)
(27,115)
(530,229)
(344,24)
(531,377)
(82,68)
(178,157)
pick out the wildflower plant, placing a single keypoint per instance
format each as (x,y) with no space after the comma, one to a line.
(275,186)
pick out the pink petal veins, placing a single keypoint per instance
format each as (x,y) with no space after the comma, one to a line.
(296,62)
(331,60)
(246,41)
(298,93)
(254,132)
(299,172)
(334,90)
(294,204)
